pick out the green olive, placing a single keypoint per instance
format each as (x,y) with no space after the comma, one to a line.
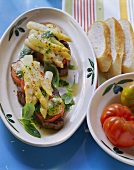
(127,96)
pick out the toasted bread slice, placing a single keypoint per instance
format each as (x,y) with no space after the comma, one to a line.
(99,36)
(116,45)
(128,59)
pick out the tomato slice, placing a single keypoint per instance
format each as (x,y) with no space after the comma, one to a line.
(118,124)
(15,77)
(64,61)
(53,118)
(22,85)
(39,117)
(20,81)
(50,118)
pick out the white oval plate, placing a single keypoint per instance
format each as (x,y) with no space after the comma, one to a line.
(83,57)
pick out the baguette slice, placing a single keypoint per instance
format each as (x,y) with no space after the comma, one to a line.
(128,59)
(117,47)
(99,36)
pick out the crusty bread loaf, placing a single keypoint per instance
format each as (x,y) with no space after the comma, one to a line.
(128,59)
(116,45)
(99,36)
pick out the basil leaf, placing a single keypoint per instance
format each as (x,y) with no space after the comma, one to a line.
(25,51)
(72,67)
(70,87)
(67,97)
(30,128)
(63,83)
(28,110)
(50,67)
(68,106)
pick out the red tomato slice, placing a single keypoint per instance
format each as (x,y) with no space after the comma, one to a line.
(22,85)
(20,81)
(53,118)
(15,77)
(118,124)
(39,117)
(50,118)
(64,61)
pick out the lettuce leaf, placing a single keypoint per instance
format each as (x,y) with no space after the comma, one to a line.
(50,67)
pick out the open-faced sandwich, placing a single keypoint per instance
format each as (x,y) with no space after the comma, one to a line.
(43,60)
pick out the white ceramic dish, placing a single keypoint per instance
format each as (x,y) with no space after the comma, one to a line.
(86,74)
(104,96)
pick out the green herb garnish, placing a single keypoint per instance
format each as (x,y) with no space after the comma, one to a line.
(20,74)
(70,87)
(30,128)
(25,51)
(48,34)
(48,51)
(28,110)
(63,83)
(52,109)
(72,67)
(68,106)
(27,120)
(50,67)
(68,96)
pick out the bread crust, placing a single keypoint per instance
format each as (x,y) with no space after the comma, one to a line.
(104,61)
(116,66)
(128,61)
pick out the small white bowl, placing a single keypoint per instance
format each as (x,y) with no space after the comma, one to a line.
(97,103)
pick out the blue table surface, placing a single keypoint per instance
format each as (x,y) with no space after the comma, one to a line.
(78,152)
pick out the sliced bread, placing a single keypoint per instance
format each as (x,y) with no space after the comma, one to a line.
(128,59)
(99,36)
(116,46)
